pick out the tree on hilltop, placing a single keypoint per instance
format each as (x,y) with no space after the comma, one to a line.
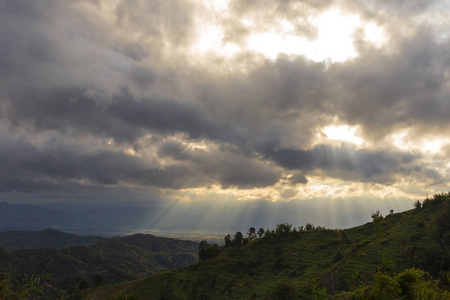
(238,237)
(251,233)
(261,232)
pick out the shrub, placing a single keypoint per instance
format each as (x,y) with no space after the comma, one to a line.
(384,287)
(410,280)
(309,226)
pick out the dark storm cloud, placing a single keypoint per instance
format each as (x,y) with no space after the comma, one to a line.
(65,109)
(26,166)
(166,115)
(365,165)
(230,169)
(60,164)
(124,118)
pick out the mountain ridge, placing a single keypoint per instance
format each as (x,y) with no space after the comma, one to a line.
(47,238)
(29,217)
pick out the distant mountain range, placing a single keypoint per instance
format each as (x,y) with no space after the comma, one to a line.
(27,217)
(103,261)
(48,238)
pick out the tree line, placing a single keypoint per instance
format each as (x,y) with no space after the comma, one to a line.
(208,251)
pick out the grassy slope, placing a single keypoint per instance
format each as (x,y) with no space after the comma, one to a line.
(323,257)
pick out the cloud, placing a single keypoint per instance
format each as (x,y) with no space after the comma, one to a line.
(381,92)
(115,96)
(363,165)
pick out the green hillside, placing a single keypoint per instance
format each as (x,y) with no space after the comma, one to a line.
(109,261)
(295,263)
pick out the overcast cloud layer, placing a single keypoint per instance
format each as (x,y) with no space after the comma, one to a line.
(135,102)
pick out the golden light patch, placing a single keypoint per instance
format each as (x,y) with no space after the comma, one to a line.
(375,35)
(429,145)
(433,146)
(330,188)
(131,152)
(342,133)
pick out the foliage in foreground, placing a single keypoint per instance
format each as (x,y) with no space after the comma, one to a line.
(412,283)
(31,290)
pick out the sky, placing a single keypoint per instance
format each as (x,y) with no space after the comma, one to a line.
(220,110)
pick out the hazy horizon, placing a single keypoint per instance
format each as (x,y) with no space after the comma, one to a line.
(198,222)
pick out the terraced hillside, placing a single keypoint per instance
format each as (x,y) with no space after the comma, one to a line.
(293,263)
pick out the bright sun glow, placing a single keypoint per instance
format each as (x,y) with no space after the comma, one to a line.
(333,43)
(272,44)
(343,133)
(430,145)
(374,34)
(335,39)
(433,146)
(210,37)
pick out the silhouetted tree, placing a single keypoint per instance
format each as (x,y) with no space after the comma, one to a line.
(376,216)
(309,226)
(238,238)
(261,232)
(283,228)
(228,241)
(251,233)
(417,204)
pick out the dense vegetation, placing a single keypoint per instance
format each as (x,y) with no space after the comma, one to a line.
(60,272)
(398,256)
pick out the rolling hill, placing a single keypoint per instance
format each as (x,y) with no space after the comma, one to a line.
(295,263)
(109,261)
